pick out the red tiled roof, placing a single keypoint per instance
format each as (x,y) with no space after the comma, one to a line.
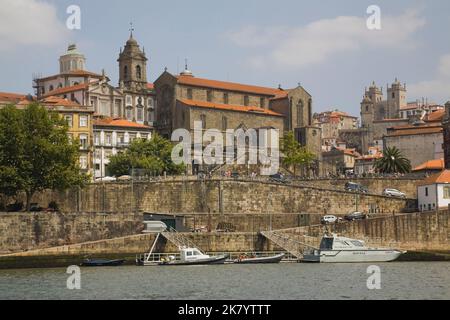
(230,107)
(78,87)
(118,122)
(150,86)
(11,97)
(436,116)
(415,131)
(81,73)
(231,86)
(437,164)
(441,177)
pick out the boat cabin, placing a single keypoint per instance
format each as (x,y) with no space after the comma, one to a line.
(340,243)
(189,254)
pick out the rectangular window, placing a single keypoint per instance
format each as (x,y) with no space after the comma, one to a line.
(203,120)
(224,123)
(117,105)
(84,141)
(83,162)
(132,136)
(108,138)
(83,121)
(189,94)
(140,114)
(446,192)
(209,95)
(69,120)
(426,192)
(120,139)
(129,114)
(246,100)
(262,102)
(129,101)
(225,98)
(97,139)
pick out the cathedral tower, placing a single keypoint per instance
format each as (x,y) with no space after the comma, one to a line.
(396,99)
(367,112)
(132,65)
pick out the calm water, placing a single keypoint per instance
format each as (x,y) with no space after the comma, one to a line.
(284,281)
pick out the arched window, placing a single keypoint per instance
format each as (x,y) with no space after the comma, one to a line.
(125,72)
(138,72)
(300,113)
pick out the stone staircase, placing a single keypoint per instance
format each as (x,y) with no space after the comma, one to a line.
(284,241)
(287,242)
(178,239)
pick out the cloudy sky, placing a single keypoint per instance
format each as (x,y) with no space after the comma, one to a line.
(324,46)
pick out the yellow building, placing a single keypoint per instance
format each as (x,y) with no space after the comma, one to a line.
(80,121)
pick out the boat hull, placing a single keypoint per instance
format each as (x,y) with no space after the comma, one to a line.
(352,256)
(213,260)
(102,263)
(273,259)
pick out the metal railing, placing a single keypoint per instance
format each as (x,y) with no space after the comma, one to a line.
(156,258)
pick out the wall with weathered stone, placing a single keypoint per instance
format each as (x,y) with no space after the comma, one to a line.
(375,185)
(415,232)
(26,231)
(217,196)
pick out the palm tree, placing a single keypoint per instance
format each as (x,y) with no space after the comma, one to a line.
(393,161)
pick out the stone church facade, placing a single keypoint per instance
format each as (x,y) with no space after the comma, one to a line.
(183,99)
(446,125)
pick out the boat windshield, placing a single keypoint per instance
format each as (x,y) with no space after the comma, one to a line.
(326,244)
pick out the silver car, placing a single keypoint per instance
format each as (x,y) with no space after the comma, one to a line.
(394,193)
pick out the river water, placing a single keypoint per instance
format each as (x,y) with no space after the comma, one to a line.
(399,280)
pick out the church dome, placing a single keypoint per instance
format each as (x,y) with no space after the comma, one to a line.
(187,73)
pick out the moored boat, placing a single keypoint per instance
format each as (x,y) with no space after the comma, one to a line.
(102,263)
(193,256)
(334,249)
(254,260)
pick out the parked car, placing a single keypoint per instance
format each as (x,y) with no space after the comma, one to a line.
(355,216)
(329,219)
(393,193)
(278,178)
(356,187)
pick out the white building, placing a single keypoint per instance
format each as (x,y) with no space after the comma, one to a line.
(112,135)
(434,192)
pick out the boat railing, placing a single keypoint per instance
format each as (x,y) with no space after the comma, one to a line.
(155,258)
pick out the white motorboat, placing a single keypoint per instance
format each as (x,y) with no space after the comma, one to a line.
(334,249)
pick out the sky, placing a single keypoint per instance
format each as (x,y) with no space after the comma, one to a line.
(323,45)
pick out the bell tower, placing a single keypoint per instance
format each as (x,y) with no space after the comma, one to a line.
(367,112)
(132,65)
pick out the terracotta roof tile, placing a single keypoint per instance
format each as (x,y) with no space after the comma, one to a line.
(118,122)
(436,116)
(441,177)
(415,131)
(81,73)
(437,164)
(231,86)
(230,107)
(78,87)
(150,86)
(11,97)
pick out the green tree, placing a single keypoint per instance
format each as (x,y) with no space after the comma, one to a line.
(36,152)
(393,162)
(294,154)
(153,156)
